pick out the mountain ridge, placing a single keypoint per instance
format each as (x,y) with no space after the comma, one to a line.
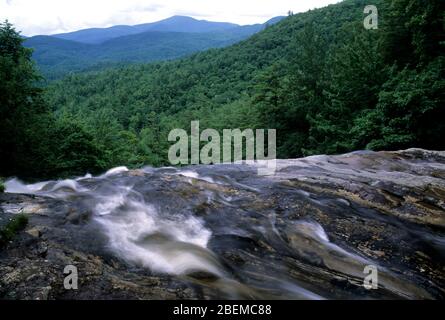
(57,56)
(175,23)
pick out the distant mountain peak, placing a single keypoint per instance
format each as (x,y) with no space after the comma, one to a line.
(180,17)
(177,23)
(171,38)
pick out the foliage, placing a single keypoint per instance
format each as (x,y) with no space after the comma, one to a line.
(33,142)
(9,231)
(323,81)
(258,83)
(408,111)
(414,32)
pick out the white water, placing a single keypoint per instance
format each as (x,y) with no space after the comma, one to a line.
(60,189)
(137,232)
(141,235)
(17,186)
(115,171)
(195,175)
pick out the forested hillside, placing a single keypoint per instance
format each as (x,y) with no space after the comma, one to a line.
(57,57)
(320,78)
(33,142)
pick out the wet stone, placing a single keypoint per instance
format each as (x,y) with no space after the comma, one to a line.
(223,232)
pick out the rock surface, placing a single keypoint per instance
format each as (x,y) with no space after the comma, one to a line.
(219,232)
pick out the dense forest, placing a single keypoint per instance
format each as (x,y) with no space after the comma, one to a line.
(327,84)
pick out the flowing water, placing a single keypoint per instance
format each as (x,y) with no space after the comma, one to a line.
(296,235)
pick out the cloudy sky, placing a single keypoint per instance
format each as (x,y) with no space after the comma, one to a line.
(55,16)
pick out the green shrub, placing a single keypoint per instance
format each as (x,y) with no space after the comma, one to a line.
(8,232)
(2,187)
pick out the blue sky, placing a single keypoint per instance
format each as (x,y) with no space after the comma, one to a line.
(55,16)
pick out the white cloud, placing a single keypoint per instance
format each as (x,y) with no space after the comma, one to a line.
(54,16)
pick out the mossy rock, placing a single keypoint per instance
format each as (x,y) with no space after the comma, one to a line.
(9,231)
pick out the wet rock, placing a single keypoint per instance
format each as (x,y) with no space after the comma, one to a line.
(223,232)
(43,293)
(34,232)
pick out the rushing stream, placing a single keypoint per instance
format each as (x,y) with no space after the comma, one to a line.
(307,232)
